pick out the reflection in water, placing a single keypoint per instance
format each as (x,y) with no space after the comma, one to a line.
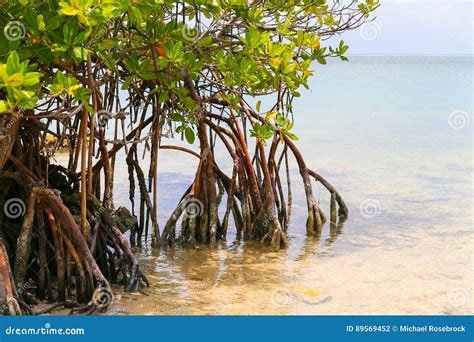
(314,244)
(335,229)
(413,255)
(243,278)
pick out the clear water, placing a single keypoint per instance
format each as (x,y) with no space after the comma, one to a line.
(381,129)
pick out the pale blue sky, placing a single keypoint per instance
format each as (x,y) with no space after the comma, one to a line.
(430,27)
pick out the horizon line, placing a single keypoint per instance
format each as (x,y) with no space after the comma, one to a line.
(407,55)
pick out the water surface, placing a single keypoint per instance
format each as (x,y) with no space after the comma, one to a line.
(381,129)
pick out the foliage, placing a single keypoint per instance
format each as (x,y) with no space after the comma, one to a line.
(191,67)
(268,48)
(19,84)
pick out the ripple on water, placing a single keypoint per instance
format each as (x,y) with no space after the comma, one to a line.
(408,259)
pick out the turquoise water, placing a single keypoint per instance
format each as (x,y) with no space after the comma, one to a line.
(394,135)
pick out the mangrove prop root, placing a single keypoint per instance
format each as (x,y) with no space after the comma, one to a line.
(254,191)
(52,255)
(69,243)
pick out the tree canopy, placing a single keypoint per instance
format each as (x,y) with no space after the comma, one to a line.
(241,47)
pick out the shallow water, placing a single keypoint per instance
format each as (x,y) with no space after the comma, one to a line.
(381,130)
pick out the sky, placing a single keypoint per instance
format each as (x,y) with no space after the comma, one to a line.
(416,27)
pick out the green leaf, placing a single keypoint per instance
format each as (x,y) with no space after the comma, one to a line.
(291,136)
(40,22)
(31,79)
(54,22)
(107,44)
(55,89)
(252,37)
(13,63)
(164,96)
(15,80)
(81,37)
(177,117)
(28,103)
(189,134)
(80,53)
(127,82)
(321,60)
(67,9)
(67,34)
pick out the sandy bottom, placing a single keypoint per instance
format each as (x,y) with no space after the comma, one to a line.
(419,274)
